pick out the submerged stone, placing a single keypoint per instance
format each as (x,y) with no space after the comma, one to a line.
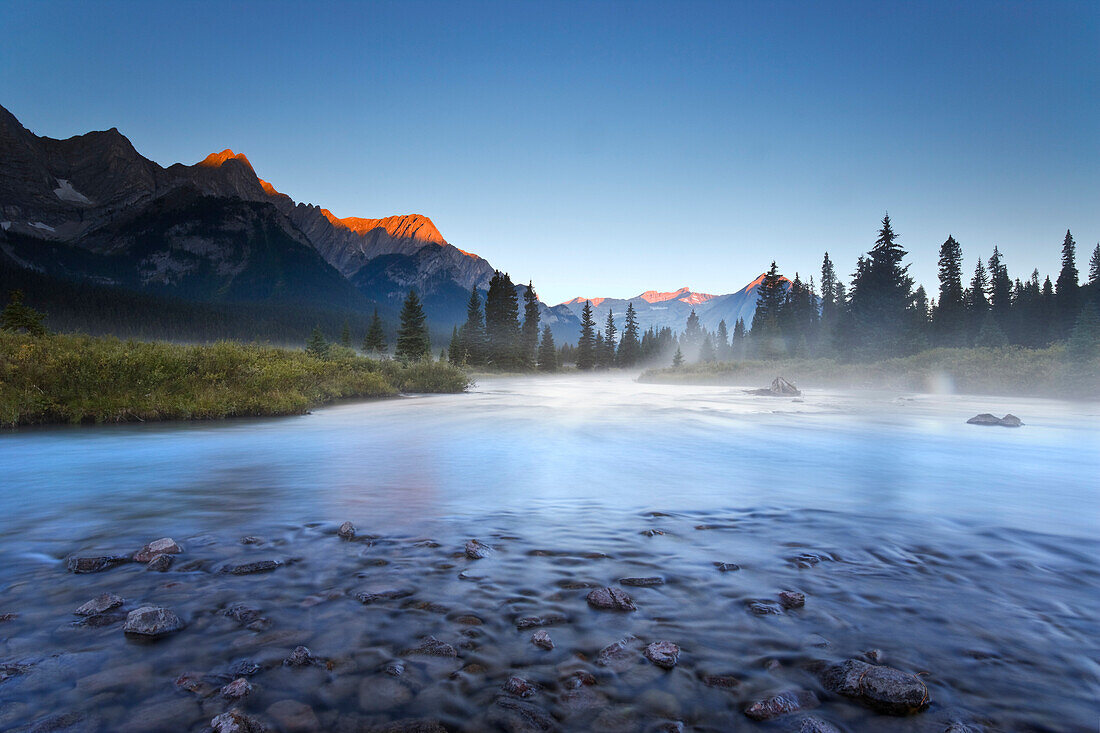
(236,689)
(251,568)
(541,639)
(235,721)
(163,546)
(813,724)
(433,647)
(100,604)
(664,654)
(611,599)
(97,564)
(783,703)
(476,550)
(152,622)
(549,619)
(792,599)
(519,687)
(300,657)
(346,531)
(642,582)
(160,563)
(881,688)
(620,655)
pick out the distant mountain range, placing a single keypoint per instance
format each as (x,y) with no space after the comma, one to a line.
(94,211)
(660,309)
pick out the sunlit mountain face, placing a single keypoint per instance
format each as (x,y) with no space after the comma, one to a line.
(658,309)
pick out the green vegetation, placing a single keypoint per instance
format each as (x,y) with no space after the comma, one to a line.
(1050,372)
(69,378)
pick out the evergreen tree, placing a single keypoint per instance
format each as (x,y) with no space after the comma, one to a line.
(882,293)
(990,334)
(1094,267)
(375,341)
(413,343)
(599,352)
(629,347)
(950,317)
(548,355)
(502,322)
(722,342)
(586,343)
(454,349)
(530,331)
(471,336)
(607,354)
(345,335)
(692,337)
(737,343)
(977,305)
(18,317)
(828,292)
(706,350)
(1066,287)
(1000,287)
(678,358)
(317,346)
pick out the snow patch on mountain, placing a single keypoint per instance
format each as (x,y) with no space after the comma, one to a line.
(66,192)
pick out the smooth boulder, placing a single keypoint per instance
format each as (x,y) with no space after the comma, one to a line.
(163,546)
(1008,421)
(98,564)
(881,688)
(152,622)
(100,604)
(664,654)
(611,599)
(783,703)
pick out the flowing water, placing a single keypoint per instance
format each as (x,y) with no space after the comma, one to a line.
(965,554)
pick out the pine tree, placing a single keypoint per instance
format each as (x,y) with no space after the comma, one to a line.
(18,317)
(706,350)
(1094,266)
(882,293)
(413,343)
(828,292)
(629,347)
(471,336)
(692,337)
(990,334)
(530,330)
(502,322)
(1084,340)
(722,342)
(765,319)
(375,341)
(1066,286)
(678,358)
(977,305)
(548,355)
(586,343)
(607,354)
(345,335)
(455,352)
(317,346)
(1000,286)
(737,343)
(950,317)
(598,351)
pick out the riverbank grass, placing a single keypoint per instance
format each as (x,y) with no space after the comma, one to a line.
(75,379)
(1050,372)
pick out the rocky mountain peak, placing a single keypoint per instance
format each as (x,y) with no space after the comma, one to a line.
(216,160)
(402,226)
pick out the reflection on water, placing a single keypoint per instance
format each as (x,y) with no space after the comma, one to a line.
(964,553)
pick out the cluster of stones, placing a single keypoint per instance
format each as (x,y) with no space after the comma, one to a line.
(883,689)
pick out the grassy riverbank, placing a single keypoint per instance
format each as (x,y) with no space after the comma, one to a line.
(69,378)
(1010,370)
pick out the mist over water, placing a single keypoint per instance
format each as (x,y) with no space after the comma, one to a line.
(965,553)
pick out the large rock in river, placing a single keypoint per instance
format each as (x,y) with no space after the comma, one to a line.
(152,622)
(881,688)
(611,599)
(163,546)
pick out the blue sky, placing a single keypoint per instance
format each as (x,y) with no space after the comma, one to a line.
(603,149)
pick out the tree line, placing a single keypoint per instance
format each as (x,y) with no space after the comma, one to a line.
(495,338)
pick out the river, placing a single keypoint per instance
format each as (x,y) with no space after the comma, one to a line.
(968,555)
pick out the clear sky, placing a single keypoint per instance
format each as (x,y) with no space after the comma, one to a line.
(603,149)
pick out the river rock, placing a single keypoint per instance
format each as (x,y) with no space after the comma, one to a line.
(881,688)
(789,701)
(97,564)
(957,726)
(346,531)
(664,654)
(1008,421)
(236,689)
(548,619)
(163,546)
(247,616)
(293,716)
(251,568)
(764,608)
(541,639)
(252,540)
(388,594)
(721,681)
(813,724)
(642,582)
(727,567)
(791,599)
(300,657)
(160,563)
(6,617)
(653,532)
(611,599)
(409,725)
(433,647)
(519,716)
(152,622)
(519,687)
(100,604)
(476,550)
(620,655)
(235,721)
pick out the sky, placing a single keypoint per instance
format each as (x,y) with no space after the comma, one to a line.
(604,149)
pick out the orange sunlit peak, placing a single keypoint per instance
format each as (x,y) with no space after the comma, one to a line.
(405,226)
(268,188)
(216,160)
(654,296)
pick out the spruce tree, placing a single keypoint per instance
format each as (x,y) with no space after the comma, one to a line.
(374,342)
(455,352)
(1000,287)
(471,336)
(548,355)
(413,343)
(678,358)
(828,292)
(19,318)
(530,331)
(586,343)
(317,346)
(1084,340)
(345,335)
(950,318)
(737,343)
(722,342)
(607,357)
(629,347)
(692,337)
(599,352)
(765,328)
(1094,267)
(882,293)
(706,350)
(502,322)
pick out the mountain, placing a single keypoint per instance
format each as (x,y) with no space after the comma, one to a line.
(92,208)
(660,309)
